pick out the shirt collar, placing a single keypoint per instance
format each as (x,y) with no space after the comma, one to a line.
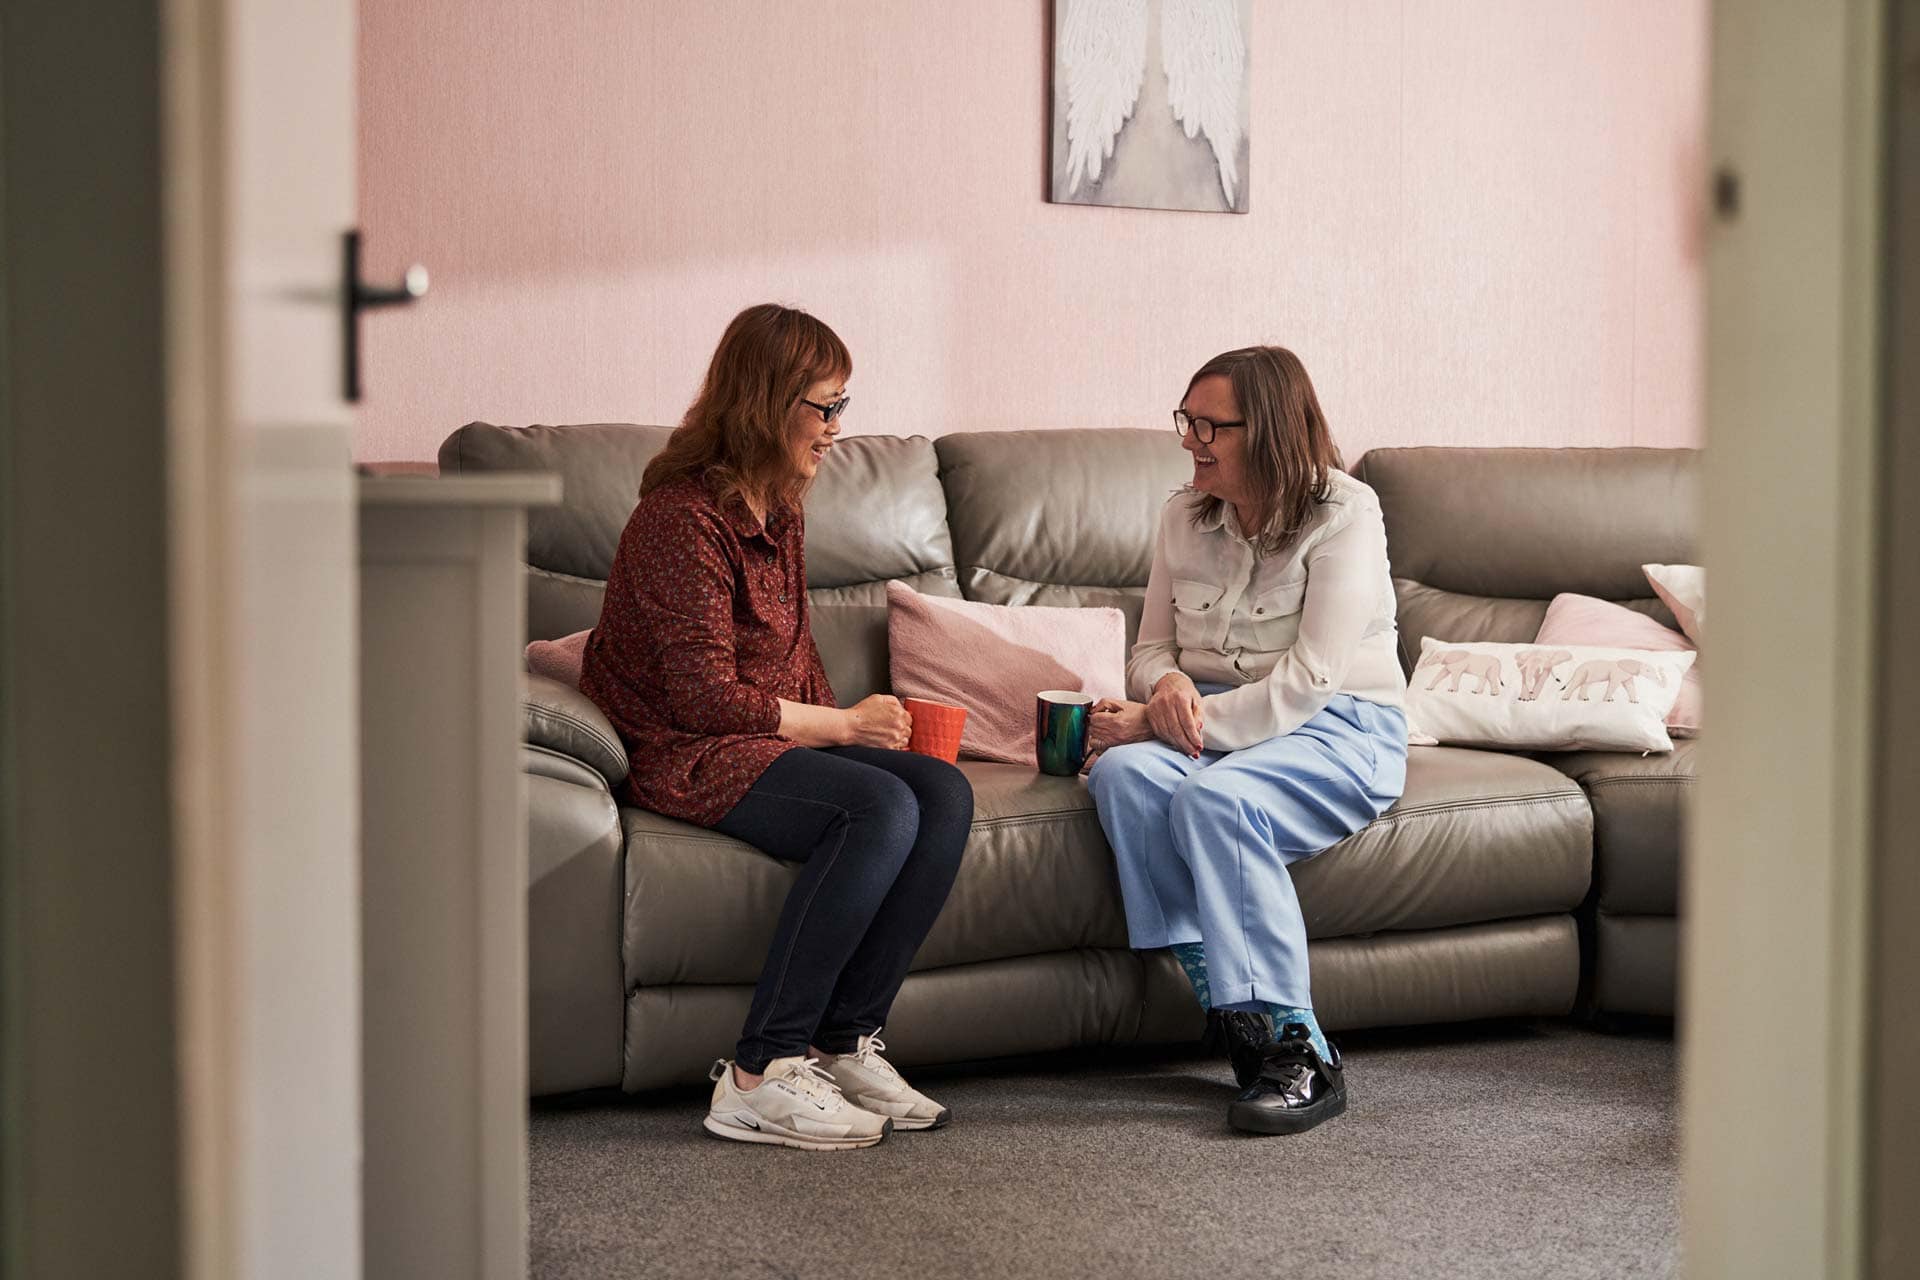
(746,526)
(1213,521)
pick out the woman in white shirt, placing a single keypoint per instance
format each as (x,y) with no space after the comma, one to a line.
(1267,723)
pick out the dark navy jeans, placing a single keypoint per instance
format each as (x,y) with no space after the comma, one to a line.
(881,833)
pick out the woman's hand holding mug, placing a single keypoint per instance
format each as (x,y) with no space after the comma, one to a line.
(1173,716)
(879,721)
(1115,724)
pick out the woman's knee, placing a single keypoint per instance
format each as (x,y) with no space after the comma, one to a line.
(945,798)
(1128,771)
(1202,796)
(1114,767)
(932,779)
(887,814)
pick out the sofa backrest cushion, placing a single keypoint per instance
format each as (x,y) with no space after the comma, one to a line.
(599,466)
(1058,517)
(1481,540)
(875,514)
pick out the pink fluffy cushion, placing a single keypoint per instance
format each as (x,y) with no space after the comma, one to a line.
(559,659)
(1583,620)
(992,660)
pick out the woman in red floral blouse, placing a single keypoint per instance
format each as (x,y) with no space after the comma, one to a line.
(704,661)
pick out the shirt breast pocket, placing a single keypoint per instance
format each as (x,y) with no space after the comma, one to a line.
(1197,620)
(1273,616)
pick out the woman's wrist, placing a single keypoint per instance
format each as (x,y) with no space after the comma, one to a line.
(812,725)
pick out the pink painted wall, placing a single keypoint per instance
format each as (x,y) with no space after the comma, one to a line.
(1478,223)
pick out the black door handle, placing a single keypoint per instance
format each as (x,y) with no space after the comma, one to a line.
(357,296)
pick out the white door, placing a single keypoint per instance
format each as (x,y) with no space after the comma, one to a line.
(260,190)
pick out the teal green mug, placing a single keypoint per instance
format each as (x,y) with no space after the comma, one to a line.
(1060,730)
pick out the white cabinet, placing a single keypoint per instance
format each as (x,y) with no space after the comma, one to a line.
(443,873)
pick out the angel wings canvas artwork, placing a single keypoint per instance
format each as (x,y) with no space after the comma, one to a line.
(1150,103)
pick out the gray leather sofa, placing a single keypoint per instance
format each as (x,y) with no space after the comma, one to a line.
(1475,896)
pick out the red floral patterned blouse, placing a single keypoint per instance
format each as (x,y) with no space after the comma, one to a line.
(704,628)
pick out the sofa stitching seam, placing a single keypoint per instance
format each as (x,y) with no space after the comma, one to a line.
(562,574)
(568,718)
(541,748)
(1623,782)
(1028,819)
(1036,582)
(1468,805)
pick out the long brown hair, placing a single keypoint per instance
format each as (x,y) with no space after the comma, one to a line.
(1289,448)
(735,432)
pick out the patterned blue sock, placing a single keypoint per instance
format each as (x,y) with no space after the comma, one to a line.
(1282,1014)
(1193,959)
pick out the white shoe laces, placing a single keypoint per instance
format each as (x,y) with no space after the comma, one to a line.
(812,1082)
(868,1056)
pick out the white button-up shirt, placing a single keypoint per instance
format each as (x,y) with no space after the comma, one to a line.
(1289,631)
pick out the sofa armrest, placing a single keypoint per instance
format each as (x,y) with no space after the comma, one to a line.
(565,720)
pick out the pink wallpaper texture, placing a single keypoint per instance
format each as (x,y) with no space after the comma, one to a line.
(1477,223)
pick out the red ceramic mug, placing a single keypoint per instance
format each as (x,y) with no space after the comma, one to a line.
(936,728)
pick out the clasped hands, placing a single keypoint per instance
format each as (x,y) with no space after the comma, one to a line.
(1172,715)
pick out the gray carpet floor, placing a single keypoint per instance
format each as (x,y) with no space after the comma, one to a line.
(1500,1150)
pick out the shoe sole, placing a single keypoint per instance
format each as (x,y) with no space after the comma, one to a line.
(1268,1120)
(734,1133)
(940,1121)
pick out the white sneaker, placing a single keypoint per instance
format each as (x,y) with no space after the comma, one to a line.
(872,1084)
(796,1104)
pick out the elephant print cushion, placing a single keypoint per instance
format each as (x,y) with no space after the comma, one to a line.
(1544,697)
(1577,619)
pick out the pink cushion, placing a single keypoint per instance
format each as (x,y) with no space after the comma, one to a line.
(992,660)
(559,659)
(1583,620)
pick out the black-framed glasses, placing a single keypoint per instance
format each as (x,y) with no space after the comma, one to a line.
(1202,428)
(828,412)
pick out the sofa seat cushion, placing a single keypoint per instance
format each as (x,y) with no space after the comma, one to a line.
(1037,877)
(1639,823)
(1477,836)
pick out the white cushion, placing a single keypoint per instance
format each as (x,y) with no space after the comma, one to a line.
(1683,588)
(1544,697)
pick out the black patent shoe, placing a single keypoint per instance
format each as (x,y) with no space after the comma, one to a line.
(1296,1089)
(1243,1036)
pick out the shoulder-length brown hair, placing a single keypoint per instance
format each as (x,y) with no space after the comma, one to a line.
(735,432)
(1289,449)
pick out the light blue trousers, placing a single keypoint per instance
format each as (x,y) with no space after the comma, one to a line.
(1203,846)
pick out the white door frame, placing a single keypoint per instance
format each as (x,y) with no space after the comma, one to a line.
(1777,879)
(259,184)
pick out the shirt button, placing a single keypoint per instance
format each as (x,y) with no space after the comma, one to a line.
(1207,605)
(1259,610)
(783,600)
